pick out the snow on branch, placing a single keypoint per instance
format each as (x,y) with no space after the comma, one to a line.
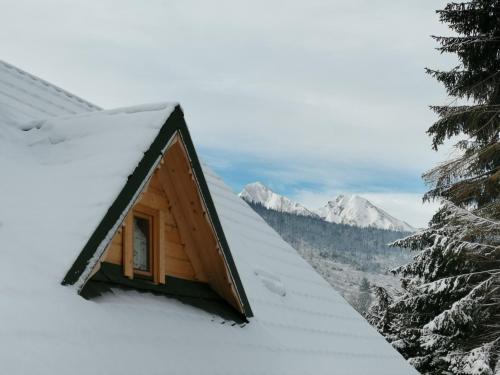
(460,316)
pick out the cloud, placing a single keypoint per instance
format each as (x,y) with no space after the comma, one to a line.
(320,94)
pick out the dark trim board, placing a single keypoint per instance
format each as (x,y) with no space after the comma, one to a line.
(205,193)
(110,276)
(175,123)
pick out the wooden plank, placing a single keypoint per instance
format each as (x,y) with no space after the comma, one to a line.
(118,237)
(175,250)
(154,184)
(128,256)
(169,218)
(114,253)
(172,234)
(144,210)
(185,228)
(179,268)
(161,247)
(153,200)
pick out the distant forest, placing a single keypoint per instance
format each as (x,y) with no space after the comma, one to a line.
(365,248)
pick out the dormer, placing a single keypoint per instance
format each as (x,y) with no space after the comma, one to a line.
(168,239)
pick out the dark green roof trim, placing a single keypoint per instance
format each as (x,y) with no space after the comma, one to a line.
(110,276)
(174,123)
(205,193)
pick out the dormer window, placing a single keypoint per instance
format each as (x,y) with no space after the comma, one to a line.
(142,245)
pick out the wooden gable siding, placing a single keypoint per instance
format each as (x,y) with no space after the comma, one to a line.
(177,179)
(176,261)
(187,243)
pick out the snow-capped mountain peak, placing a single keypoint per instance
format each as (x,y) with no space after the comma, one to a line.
(358,211)
(344,209)
(260,194)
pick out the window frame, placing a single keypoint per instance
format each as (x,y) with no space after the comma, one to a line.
(151,244)
(157,258)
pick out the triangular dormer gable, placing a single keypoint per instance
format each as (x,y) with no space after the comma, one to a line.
(182,238)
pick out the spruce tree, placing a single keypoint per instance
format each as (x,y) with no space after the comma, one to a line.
(364,298)
(447,319)
(474,177)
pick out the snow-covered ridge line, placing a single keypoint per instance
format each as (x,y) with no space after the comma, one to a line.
(344,209)
(34,80)
(259,193)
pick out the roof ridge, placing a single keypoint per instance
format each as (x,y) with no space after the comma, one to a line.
(48,85)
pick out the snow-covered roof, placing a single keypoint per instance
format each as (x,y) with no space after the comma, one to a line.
(60,176)
(25,97)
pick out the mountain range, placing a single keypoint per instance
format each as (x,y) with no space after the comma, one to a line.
(344,209)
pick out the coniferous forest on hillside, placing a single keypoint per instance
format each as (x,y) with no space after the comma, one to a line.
(352,259)
(345,243)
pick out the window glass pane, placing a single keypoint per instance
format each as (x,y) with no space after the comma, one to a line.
(141,244)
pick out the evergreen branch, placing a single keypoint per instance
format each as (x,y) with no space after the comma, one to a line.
(460,312)
(451,44)
(448,112)
(462,74)
(455,278)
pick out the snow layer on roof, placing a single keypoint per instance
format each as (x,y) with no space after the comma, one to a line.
(25,97)
(60,176)
(317,331)
(58,180)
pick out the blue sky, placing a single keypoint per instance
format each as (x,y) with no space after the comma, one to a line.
(396,190)
(282,176)
(313,98)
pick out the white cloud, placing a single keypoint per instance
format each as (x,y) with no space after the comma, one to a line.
(327,80)
(405,206)
(328,86)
